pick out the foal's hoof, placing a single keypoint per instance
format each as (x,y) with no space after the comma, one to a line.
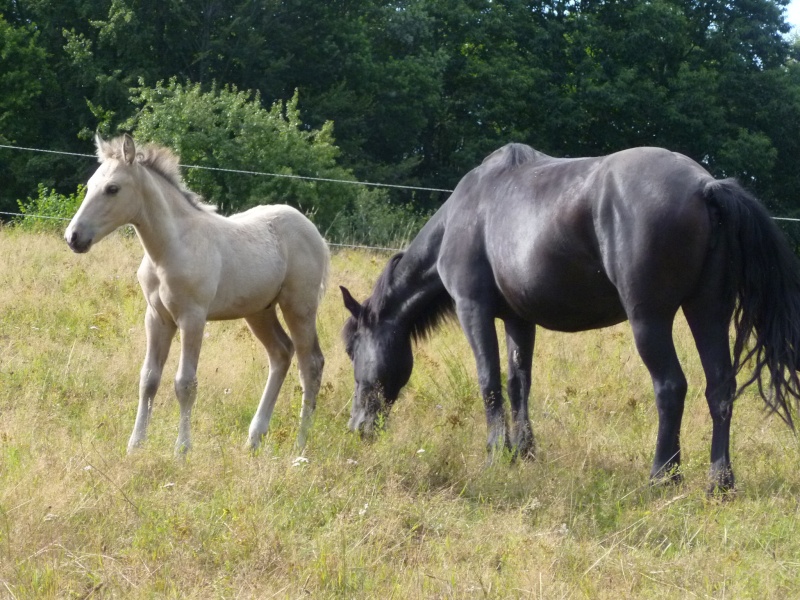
(134,449)
(135,444)
(182,449)
(254,442)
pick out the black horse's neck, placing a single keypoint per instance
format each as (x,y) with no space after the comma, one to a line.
(410,290)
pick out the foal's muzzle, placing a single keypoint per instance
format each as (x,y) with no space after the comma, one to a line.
(76,242)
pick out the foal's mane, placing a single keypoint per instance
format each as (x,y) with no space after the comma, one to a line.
(158,159)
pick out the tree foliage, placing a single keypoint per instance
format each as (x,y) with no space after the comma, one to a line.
(419,91)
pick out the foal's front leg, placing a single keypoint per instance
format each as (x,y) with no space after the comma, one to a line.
(159,338)
(186,378)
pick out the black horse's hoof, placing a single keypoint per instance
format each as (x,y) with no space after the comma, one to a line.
(722,486)
(665,477)
(526,451)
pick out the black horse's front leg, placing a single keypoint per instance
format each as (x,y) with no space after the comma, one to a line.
(520,337)
(478,325)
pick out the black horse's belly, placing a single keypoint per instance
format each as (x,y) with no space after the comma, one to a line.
(563,295)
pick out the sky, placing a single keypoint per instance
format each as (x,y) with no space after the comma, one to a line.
(793,14)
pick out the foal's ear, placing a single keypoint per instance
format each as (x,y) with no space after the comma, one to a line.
(128,149)
(101,145)
(351,303)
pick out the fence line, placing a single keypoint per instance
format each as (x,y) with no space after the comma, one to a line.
(284,175)
(35,216)
(257,173)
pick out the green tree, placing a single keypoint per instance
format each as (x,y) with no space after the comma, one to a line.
(225,128)
(421,90)
(41,103)
(24,77)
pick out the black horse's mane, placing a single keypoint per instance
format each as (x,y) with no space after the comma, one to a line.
(421,320)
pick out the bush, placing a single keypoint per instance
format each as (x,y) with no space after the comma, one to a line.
(374,221)
(226,131)
(49,211)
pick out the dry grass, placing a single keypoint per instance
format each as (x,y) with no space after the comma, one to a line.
(414,514)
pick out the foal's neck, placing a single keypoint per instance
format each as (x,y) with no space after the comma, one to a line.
(165,219)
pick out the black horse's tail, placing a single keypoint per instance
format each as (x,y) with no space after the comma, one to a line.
(765,277)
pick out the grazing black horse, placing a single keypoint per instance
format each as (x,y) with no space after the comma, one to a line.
(583,243)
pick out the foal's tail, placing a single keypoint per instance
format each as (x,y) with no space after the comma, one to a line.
(326,271)
(766,281)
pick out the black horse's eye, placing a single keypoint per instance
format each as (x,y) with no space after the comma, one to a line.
(111,189)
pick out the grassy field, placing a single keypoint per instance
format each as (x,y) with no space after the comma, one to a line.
(413,514)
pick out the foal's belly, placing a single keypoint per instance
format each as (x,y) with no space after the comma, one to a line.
(242,302)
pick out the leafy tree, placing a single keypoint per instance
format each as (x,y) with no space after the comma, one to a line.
(40,107)
(420,90)
(22,86)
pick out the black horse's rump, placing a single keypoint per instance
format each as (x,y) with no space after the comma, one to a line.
(576,244)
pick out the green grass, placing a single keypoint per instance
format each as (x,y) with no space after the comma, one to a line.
(415,513)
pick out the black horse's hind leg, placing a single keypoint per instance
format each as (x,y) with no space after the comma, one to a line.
(520,337)
(654,342)
(709,324)
(478,325)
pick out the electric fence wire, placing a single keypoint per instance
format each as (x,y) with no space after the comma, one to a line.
(265,174)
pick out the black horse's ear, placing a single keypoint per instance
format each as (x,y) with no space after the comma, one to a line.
(351,303)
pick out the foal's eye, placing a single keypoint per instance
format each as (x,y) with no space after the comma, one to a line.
(112,189)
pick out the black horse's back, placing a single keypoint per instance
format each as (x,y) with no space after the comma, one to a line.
(512,155)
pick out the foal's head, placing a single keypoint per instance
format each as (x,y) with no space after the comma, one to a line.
(111,195)
(382,361)
(114,193)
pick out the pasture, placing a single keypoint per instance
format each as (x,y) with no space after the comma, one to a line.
(416,513)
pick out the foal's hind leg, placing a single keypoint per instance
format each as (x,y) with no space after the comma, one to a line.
(267,329)
(302,324)
(519,342)
(653,338)
(709,324)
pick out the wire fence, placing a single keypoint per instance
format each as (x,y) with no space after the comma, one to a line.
(256,173)
(266,174)
(240,172)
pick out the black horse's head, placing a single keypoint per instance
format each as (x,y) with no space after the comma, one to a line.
(382,363)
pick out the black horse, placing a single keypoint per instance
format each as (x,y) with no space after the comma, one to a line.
(583,243)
